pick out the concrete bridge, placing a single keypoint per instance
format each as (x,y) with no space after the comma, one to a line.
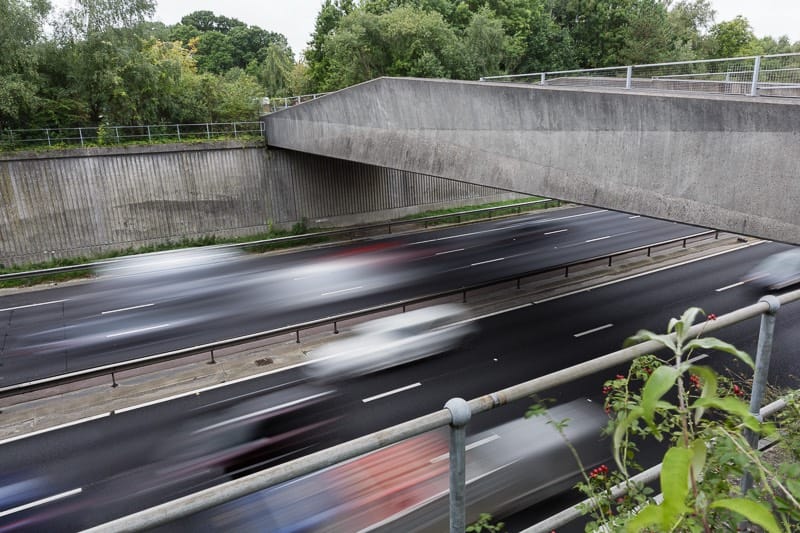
(726,162)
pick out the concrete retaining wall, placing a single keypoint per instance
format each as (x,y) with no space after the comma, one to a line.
(83,202)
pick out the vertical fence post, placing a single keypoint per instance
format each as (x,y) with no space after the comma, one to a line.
(149,138)
(542,78)
(756,71)
(178,127)
(47,130)
(629,77)
(208,131)
(116,133)
(763,354)
(80,134)
(460,414)
(235,134)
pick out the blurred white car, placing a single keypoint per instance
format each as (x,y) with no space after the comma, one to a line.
(777,271)
(391,341)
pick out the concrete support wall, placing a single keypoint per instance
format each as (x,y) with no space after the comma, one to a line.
(726,162)
(83,202)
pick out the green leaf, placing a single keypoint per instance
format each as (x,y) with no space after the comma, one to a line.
(643,335)
(674,484)
(709,378)
(753,511)
(711,343)
(621,428)
(660,381)
(649,516)
(698,461)
(732,406)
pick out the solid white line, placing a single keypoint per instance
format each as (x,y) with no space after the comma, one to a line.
(593,330)
(729,286)
(641,274)
(31,305)
(140,330)
(127,309)
(489,261)
(599,239)
(450,251)
(556,231)
(391,392)
(634,216)
(43,501)
(491,438)
(342,290)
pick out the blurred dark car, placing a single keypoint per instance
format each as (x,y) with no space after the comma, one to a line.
(776,272)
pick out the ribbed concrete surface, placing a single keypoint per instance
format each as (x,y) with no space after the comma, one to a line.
(727,162)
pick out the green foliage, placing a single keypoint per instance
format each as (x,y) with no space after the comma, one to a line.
(484,524)
(701,417)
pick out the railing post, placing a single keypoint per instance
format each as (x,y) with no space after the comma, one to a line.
(542,79)
(47,130)
(80,134)
(149,138)
(116,133)
(763,354)
(235,135)
(629,77)
(460,414)
(208,131)
(756,71)
(178,128)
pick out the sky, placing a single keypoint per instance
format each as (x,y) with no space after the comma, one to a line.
(295,18)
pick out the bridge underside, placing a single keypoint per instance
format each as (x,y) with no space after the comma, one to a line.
(724,162)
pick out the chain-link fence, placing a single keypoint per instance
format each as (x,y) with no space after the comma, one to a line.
(771,75)
(111,135)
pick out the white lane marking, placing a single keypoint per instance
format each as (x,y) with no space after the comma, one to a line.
(729,286)
(43,501)
(32,305)
(491,438)
(127,309)
(133,331)
(634,216)
(593,330)
(450,251)
(261,412)
(556,231)
(649,272)
(503,229)
(342,290)
(598,239)
(54,428)
(391,392)
(489,261)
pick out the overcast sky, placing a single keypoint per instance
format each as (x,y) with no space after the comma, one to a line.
(295,18)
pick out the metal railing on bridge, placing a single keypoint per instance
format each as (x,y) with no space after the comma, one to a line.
(456,414)
(768,75)
(111,135)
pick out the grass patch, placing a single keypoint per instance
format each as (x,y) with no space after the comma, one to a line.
(512,206)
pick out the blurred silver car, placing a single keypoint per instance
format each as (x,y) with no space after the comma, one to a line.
(391,341)
(777,271)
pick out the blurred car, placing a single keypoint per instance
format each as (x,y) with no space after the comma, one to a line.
(777,271)
(391,341)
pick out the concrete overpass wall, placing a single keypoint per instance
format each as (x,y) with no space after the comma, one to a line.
(75,203)
(727,162)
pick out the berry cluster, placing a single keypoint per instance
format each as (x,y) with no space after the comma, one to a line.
(601,470)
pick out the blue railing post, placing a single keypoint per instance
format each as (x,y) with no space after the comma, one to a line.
(460,414)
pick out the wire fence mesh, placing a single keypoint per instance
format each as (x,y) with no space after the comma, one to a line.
(110,135)
(771,75)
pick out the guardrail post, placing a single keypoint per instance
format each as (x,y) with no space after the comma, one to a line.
(542,78)
(149,138)
(460,414)
(80,134)
(213,361)
(763,354)
(47,130)
(178,128)
(235,135)
(629,77)
(756,71)
(208,131)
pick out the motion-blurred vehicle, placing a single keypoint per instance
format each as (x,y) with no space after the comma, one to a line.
(776,272)
(391,341)
(404,487)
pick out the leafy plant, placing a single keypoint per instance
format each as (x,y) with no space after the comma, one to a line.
(700,416)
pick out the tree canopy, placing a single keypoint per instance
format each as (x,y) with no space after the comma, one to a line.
(105,61)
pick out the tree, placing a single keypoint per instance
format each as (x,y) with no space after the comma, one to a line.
(732,38)
(20,29)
